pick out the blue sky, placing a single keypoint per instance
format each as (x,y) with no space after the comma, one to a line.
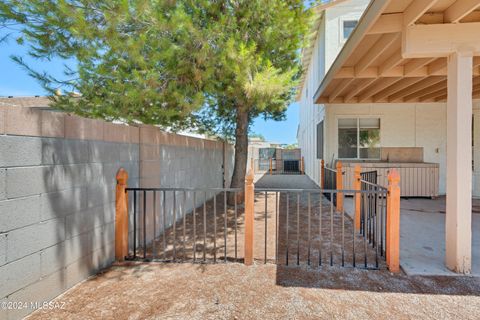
(14,81)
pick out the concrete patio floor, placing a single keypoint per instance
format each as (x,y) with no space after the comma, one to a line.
(422,236)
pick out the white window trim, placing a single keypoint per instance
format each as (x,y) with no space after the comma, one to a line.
(342,39)
(358,117)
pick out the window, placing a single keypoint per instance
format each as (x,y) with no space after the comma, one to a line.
(320,140)
(359,138)
(348,27)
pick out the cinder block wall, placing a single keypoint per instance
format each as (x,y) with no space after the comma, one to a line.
(57,193)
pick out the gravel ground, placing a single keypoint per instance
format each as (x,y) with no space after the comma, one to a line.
(234,291)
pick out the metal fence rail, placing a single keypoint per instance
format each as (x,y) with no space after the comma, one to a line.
(180,224)
(309,230)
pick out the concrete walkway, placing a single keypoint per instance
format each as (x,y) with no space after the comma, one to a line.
(290,181)
(422,236)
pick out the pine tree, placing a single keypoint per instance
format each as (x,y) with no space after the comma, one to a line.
(209,65)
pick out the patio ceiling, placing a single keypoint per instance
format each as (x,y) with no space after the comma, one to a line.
(398,52)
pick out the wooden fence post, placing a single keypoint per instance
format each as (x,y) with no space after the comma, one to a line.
(322,174)
(249,218)
(393,222)
(302,166)
(121,216)
(270,166)
(357,185)
(339,180)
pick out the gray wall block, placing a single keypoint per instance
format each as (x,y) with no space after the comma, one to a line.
(3,183)
(18,274)
(31,239)
(20,151)
(19,212)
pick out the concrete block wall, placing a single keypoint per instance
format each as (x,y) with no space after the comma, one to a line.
(57,193)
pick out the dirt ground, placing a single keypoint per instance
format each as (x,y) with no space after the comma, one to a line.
(235,291)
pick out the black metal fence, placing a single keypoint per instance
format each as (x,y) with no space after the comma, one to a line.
(373,216)
(279,166)
(304,228)
(182,224)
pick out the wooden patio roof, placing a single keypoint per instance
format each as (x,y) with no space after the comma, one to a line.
(398,52)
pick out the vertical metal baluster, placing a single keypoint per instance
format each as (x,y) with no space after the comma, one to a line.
(154,251)
(235,194)
(365,226)
(164,213)
(308,232)
(331,229)
(214,228)
(265,258)
(375,237)
(174,225)
(287,243)
(320,230)
(225,227)
(194,226)
(144,224)
(276,227)
(134,224)
(381,223)
(204,226)
(353,228)
(184,214)
(298,228)
(375,213)
(343,235)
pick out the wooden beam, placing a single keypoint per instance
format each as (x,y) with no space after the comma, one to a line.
(380,85)
(387,23)
(440,40)
(476,62)
(391,62)
(433,95)
(400,85)
(375,51)
(428,90)
(460,9)
(415,10)
(438,66)
(362,84)
(338,90)
(416,64)
(415,87)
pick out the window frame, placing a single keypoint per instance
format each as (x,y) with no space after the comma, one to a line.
(341,32)
(358,117)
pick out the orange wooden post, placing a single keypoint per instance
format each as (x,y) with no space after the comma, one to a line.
(339,186)
(393,222)
(302,166)
(270,166)
(322,174)
(121,216)
(357,185)
(249,215)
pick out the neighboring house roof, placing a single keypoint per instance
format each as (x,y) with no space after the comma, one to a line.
(313,33)
(378,64)
(37,101)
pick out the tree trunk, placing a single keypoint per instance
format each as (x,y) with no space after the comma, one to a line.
(241,152)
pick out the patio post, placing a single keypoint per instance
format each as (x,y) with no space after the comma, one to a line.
(270,166)
(458,220)
(339,179)
(249,215)
(357,185)
(302,166)
(322,174)
(393,222)
(121,216)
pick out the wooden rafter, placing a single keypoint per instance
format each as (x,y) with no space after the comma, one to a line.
(362,84)
(433,95)
(377,49)
(459,10)
(415,10)
(381,84)
(339,89)
(427,82)
(400,85)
